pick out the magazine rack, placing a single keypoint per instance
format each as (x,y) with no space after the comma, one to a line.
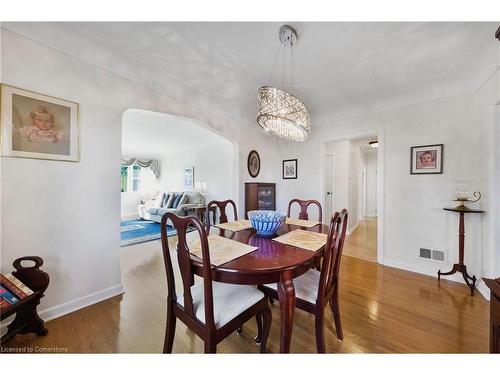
(27,319)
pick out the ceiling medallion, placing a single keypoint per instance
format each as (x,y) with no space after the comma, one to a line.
(281,112)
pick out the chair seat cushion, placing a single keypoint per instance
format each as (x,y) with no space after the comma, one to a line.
(306,286)
(229,301)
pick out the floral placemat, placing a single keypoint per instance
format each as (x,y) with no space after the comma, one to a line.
(222,250)
(235,226)
(301,223)
(304,239)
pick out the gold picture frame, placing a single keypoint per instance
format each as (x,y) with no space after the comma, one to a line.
(38,126)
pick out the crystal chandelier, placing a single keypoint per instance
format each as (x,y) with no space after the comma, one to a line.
(280,112)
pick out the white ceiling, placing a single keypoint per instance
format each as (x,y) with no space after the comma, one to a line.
(342,69)
(158,135)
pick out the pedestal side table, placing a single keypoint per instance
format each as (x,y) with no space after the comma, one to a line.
(460,266)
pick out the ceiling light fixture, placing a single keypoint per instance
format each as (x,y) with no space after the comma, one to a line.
(373,144)
(281,112)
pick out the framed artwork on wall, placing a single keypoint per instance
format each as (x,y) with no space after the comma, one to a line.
(38,126)
(189,177)
(253,163)
(427,159)
(289,169)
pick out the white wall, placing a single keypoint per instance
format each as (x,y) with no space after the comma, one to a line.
(413,205)
(69,213)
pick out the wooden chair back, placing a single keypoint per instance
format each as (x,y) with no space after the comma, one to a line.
(185,265)
(332,257)
(303,208)
(222,211)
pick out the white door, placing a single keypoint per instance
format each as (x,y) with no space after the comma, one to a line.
(328,187)
(371,184)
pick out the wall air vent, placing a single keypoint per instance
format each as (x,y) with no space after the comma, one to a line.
(438,255)
(432,255)
(425,253)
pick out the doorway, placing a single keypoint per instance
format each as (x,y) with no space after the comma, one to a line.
(351,181)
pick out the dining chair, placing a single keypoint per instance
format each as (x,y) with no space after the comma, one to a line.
(315,289)
(303,215)
(211,309)
(304,204)
(222,209)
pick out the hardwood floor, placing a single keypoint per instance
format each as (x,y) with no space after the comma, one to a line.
(362,242)
(384,310)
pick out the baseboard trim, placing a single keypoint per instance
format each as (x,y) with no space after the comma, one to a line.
(349,231)
(80,303)
(480,286)
(74,305)
(483,289)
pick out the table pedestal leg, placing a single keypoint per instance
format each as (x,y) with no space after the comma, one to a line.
(460,266)
(286,294)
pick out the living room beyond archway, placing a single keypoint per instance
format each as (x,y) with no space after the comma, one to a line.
(169,164)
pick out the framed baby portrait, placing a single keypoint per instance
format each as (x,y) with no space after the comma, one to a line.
(427,159)
(38,126)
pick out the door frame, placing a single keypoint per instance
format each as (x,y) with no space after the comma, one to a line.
(379,133)
(326,218)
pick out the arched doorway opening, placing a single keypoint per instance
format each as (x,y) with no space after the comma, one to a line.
(168,163)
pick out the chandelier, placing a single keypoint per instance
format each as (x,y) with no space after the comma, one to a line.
(281,112)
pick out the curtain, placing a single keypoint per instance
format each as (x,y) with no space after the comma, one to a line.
(154,164)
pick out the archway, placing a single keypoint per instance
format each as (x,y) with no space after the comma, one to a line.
(164,153)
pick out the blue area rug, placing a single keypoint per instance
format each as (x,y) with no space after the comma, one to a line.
(137,231)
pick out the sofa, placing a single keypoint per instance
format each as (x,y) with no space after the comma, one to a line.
(167,201)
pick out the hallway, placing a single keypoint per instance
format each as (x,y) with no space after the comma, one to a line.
(362,242)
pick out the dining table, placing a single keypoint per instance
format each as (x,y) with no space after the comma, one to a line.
(271,262)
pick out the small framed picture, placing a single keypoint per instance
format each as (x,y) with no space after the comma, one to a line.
(189,177)
(38,126)
(253,163)
(427,159)
(289,169)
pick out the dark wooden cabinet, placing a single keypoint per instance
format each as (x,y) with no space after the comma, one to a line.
(259,196)
(494,286)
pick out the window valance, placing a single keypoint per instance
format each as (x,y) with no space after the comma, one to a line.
(154,164)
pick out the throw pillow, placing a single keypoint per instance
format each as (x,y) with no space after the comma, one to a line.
(158,200)
(177,199)
(165,200)
(170,201)
(183,199)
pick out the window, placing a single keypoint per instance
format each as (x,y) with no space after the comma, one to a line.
(136,178)
(124,178)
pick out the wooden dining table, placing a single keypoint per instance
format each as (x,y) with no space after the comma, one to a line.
(272,262)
